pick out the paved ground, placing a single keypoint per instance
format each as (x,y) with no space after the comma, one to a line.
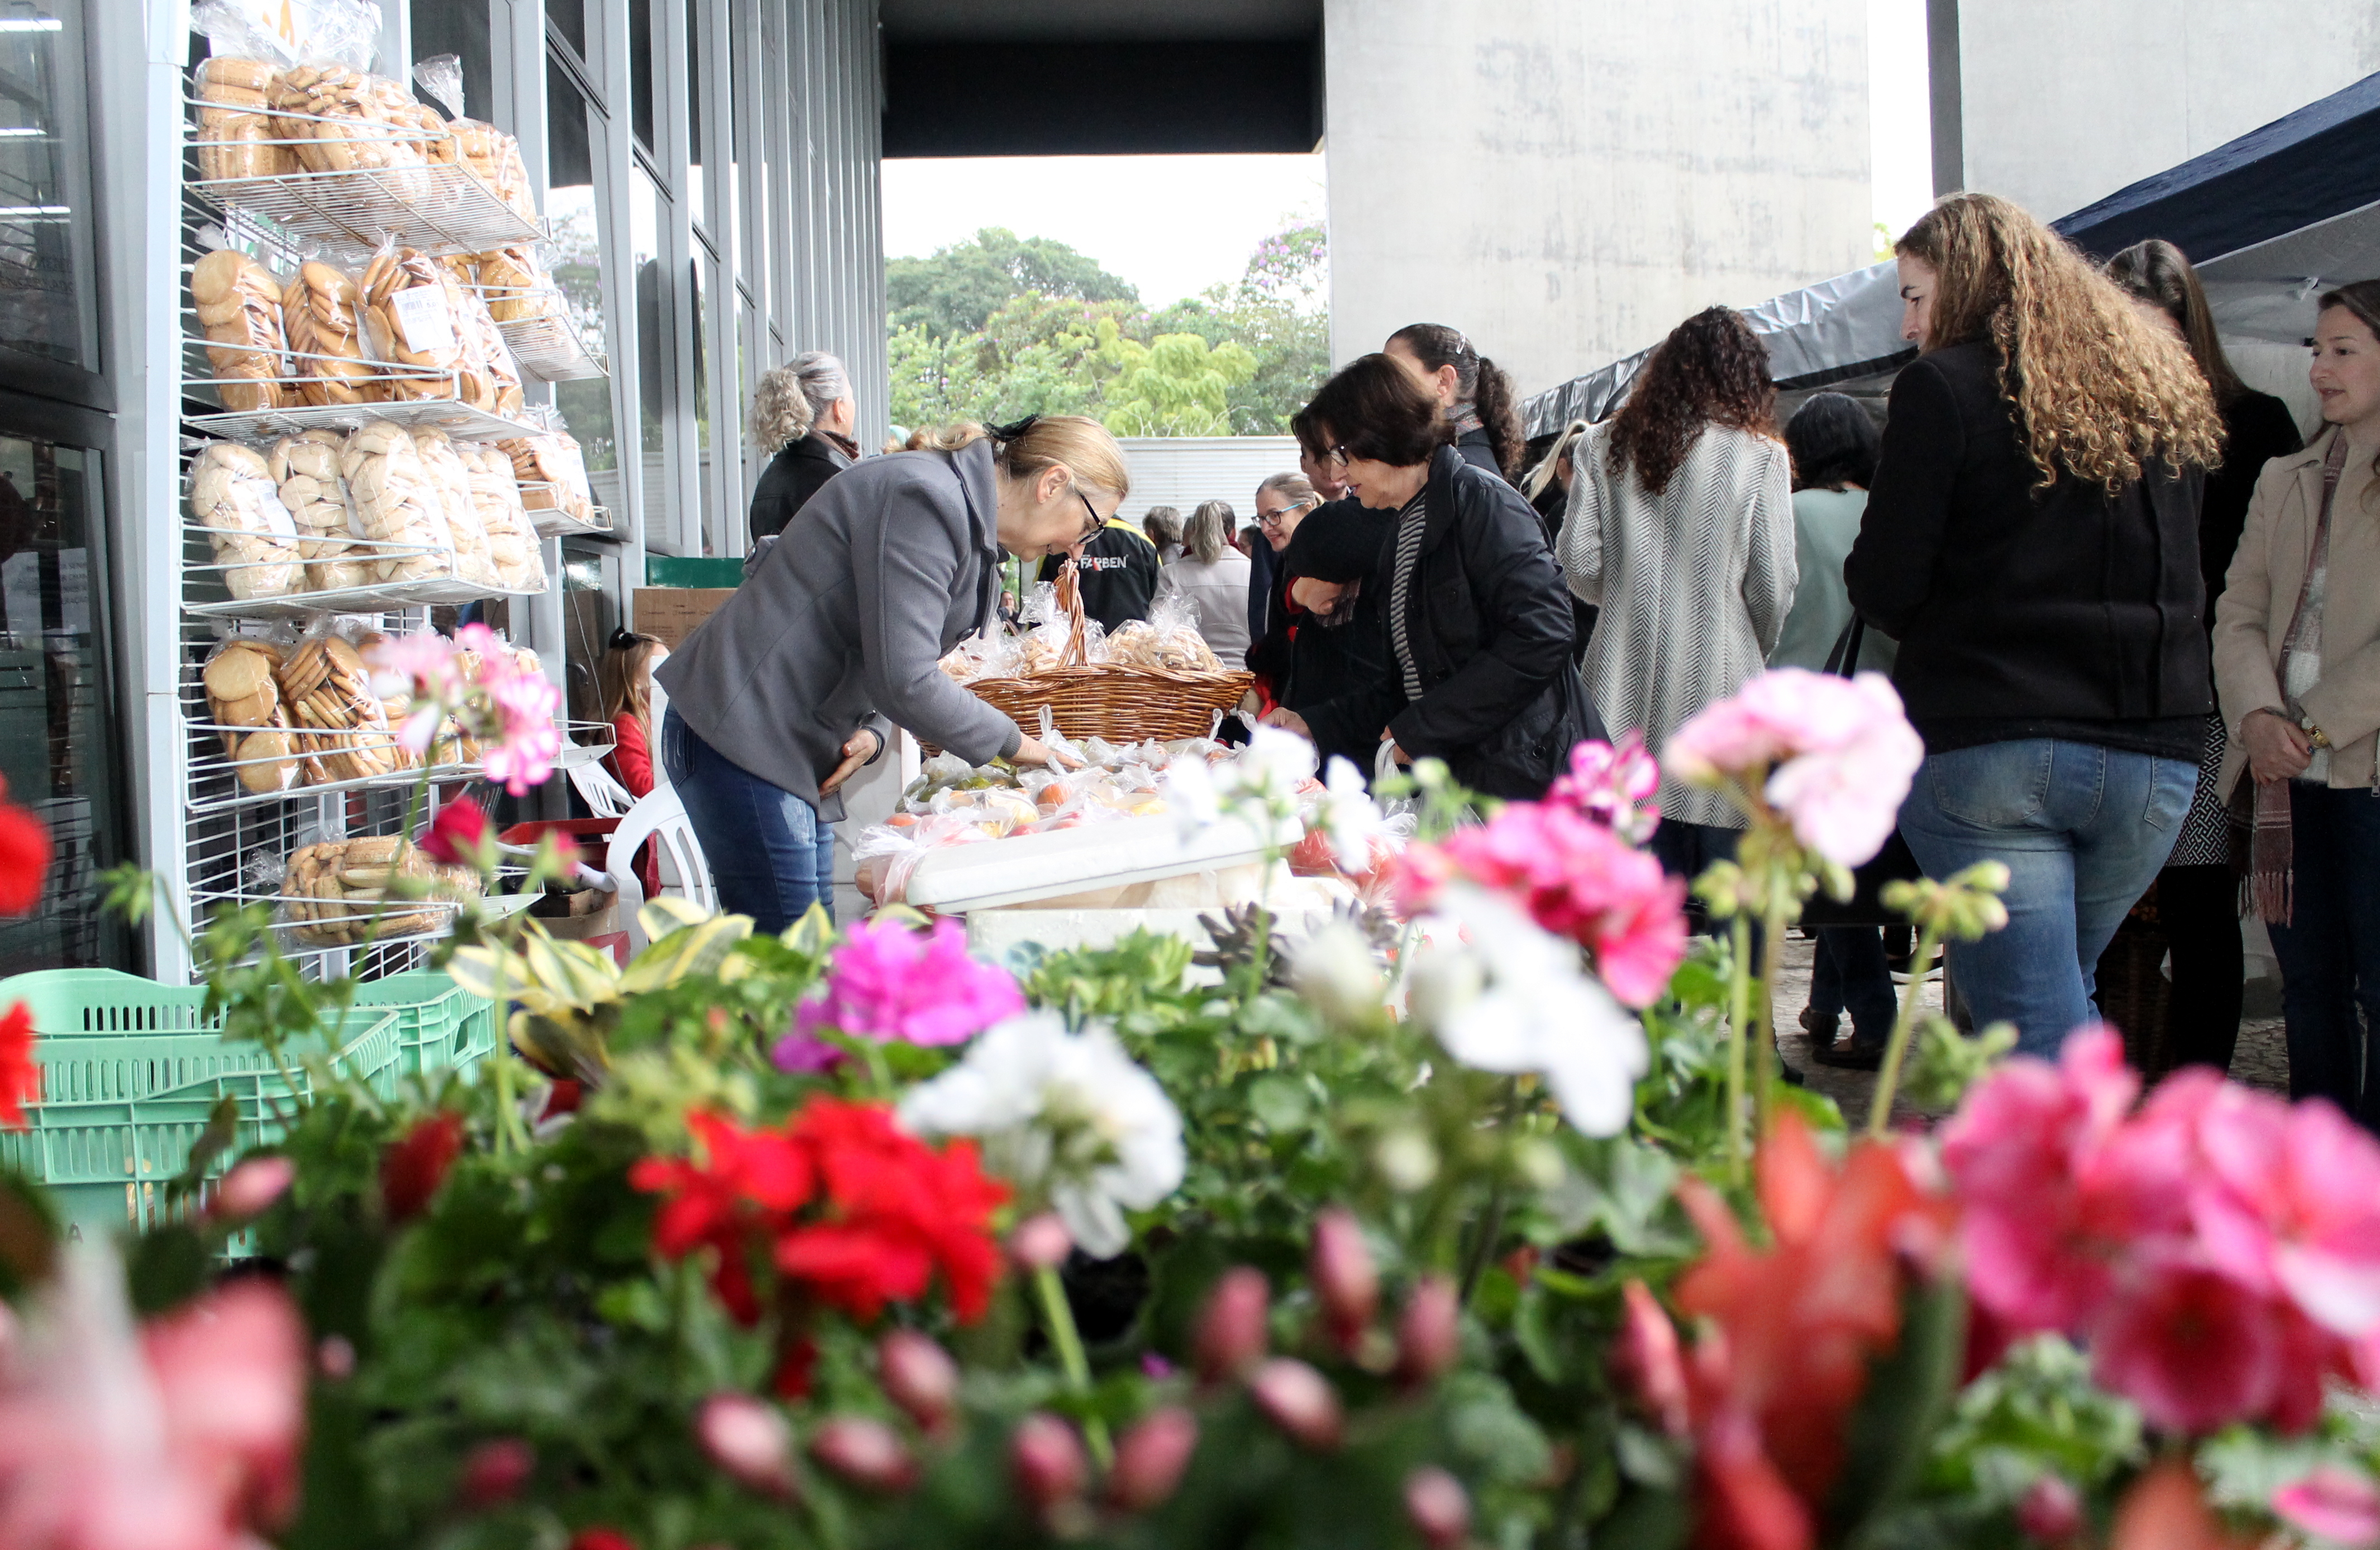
(2261,1060)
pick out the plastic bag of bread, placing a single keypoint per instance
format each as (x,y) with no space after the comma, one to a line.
(251,532)
(1167,641)
(322,310)
(518,289)
(342,120)
(486,343)
(340,892)
(495,495)
(306,467)
(244,699)
(413,326)
(340,729)
(239,303)
(553,474)
(396,504)
(452,482)
(237,139)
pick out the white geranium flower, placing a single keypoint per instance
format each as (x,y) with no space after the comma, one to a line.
(1512,998)
(1067,1115)
(1191,796)
(1349,818)
(1259,787)
(1336,970)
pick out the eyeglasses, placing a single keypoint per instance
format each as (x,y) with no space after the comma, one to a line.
(1091,527)
(1337,455)
(1273,519)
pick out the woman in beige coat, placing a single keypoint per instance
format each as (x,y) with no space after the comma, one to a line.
(2297,668)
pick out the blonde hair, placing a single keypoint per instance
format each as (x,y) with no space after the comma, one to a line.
(1297,487)
(781,411)
(2097,388)
(1564,446)
(1074,443)
(1208,529)
(624,679)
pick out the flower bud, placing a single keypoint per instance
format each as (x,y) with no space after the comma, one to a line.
(1646,1361)
(494,1472)
(1151,1458)
(2051,1509)
(248,1189)
(1299,1400)
(864,1451)
(1231,1337)
(1345,1281)
(1438,1505)
(918,1375)
(1406,1160)
(1430,1330)
(1046,1459)
(749,1442)
(336,1358)
(1041,1242)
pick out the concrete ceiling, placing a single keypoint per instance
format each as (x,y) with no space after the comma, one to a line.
(930,21)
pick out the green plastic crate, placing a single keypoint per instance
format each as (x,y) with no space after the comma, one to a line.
(440,1026)
(693,570)
(130,1070)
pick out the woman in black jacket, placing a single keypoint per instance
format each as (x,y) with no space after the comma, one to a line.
(805,410)
(1477,617)
(2197,898)
(1475,394)
(2032,542)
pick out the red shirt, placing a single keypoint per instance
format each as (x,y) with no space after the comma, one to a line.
(630,761)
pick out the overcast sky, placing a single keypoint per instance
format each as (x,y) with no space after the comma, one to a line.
(1174,226)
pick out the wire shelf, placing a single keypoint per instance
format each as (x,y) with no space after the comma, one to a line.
(427,199)
(554,522)
(458,420)
(216,787)
(207,592)
(359,917)
(549,345)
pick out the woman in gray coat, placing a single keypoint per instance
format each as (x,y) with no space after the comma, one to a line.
(835,639)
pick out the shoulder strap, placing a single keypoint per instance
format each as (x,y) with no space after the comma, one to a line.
(1844,659)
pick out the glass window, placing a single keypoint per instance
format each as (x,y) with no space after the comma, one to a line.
(47,305)
(656,341)
(569,18)
(644,41)
(695,59)
(458,27)
(56,744)
(577,257)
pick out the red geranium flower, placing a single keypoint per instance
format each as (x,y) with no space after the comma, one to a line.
(24,858)
(457,834)
(856,1209)
(21,1075)
(411,1170)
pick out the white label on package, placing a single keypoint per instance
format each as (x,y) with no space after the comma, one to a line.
(275,515)
(572,465)
(423,317)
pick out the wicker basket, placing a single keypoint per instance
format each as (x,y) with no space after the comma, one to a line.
(1120,704)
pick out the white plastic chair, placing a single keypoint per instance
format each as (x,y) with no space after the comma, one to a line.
(659,817)
(600,790)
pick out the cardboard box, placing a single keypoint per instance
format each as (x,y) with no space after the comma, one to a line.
(671,613)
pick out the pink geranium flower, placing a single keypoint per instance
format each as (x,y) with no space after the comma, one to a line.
(889,983)
(1834,755)
(2192,1346)
(1613,784)
(1577,879)
(2332,1503)
(516,720)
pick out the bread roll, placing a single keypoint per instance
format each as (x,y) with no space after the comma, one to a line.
(452,482)
(252,534)
(513,547)
(397,503)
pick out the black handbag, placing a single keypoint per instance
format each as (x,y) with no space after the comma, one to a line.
(1895,863)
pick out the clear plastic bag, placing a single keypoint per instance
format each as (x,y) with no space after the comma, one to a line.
(886,855)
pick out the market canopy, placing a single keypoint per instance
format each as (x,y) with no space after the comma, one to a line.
(2271,220)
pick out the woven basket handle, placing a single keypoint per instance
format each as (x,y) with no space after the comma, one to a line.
(1070,598)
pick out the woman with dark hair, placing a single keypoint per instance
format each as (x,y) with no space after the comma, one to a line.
(1323,627)
(2032,542)
(2297,659)
(2197,894)
(1473,392)
(1681,529)
(1478,628)
(1833,441)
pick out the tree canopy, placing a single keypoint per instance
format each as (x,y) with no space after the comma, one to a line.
(1054,337)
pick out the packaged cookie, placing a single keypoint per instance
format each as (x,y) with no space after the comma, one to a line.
(518,290)
(413,327)
(493,357)
(340,119)
(323,311)
(341,893)
(495,494)
(241,695)
(396,504)
(306,467)
(340,730)
(450,481)
(552,474)
(234,497)
(237,139)
(239,303)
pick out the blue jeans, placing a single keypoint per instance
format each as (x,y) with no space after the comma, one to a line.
(769,857)
(2330,949)
(1850,970)
(2083,830)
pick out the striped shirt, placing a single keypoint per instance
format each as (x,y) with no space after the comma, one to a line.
(1410,523)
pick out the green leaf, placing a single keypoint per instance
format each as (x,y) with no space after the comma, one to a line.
(687,952)
(165,1268)
(1909,1394)
(1646,1519)
(1278,1102)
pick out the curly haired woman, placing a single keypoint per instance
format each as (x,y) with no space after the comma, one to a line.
(2032,540)
(1681,529)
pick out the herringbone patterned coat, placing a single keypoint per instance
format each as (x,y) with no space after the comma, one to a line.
(1694,584)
